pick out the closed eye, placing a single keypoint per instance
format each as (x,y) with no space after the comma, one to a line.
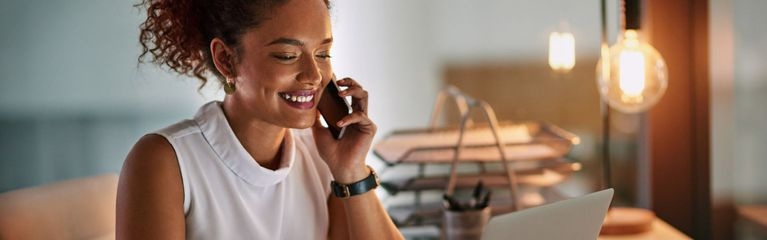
(323,55)
(283,57)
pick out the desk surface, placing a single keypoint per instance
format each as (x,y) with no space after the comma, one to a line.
(660,230)
(754,213)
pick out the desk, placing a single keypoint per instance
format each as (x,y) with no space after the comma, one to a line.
(755,219)
(660,230)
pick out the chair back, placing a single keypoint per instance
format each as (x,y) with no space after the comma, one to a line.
(81,208)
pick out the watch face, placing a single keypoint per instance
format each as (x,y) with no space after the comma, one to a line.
(375,175)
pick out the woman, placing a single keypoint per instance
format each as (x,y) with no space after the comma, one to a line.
(240,169)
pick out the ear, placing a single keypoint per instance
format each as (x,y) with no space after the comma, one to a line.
(223,57)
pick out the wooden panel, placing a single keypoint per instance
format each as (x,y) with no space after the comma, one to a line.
(530,91)
(702,218)
(678,124)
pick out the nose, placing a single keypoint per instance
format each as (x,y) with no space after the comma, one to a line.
(310,72)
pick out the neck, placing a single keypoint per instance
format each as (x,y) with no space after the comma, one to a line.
(260,139)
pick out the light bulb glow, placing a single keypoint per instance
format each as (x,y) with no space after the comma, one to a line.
(637,76)
(561,51)
(631,75)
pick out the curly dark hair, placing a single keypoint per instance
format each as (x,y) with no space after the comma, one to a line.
(177,33)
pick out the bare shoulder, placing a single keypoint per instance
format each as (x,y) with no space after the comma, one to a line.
(152,160)
(150,193)
(151,150)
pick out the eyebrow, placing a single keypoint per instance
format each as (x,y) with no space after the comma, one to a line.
(296,42)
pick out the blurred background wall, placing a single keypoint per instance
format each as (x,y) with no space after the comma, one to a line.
(750,96)
(72,99)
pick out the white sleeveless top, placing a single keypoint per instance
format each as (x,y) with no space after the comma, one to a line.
(227,195)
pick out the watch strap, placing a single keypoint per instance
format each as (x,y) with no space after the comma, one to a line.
(362,186)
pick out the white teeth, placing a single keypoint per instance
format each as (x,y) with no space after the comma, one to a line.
(300,99)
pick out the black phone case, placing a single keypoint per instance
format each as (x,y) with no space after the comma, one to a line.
(333,108)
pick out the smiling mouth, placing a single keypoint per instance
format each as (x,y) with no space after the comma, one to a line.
(297,97)
(302,99)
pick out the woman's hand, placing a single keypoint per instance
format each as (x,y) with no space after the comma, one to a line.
(346,156)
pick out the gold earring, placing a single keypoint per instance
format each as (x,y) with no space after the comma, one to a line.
(229,87)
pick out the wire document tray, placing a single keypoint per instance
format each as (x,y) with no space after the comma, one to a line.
(522,141)
(530,155)
(548,175)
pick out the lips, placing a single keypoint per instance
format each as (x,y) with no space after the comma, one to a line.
(303,99)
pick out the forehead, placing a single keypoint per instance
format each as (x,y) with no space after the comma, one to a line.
(305,20)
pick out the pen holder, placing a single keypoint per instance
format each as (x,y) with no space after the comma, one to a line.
(467,224)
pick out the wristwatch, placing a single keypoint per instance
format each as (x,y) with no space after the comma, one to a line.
(357,188)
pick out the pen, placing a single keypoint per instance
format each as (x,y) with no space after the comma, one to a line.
(451,204)
(485,200)
(476,195)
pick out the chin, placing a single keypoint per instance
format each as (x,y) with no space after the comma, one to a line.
(302,123)
(302,126)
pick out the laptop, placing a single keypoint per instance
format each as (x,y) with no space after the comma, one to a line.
(577,218)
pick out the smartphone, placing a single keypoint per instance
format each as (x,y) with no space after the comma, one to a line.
(333,108)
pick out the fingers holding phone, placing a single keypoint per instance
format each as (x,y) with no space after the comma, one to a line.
(359,116)
(358,94)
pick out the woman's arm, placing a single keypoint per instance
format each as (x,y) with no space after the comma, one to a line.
(339,228)
(360,216)
(150,193)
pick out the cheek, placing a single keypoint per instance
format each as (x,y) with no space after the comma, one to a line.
(266,76)
(327,70)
